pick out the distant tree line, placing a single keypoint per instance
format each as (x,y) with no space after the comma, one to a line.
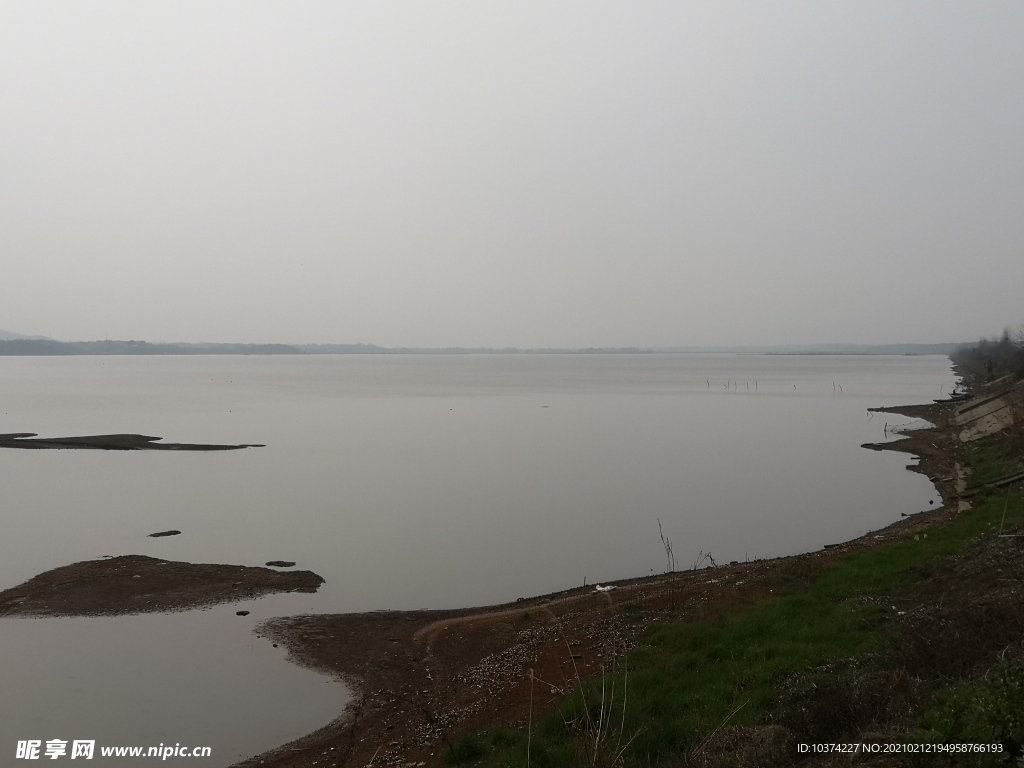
(990,359)
(44,346)
(50,347)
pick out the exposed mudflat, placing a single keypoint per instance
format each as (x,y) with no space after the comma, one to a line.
(109,443)
(139,584)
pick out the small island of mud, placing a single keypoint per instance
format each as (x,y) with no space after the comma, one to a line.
(139,584)
(109,443)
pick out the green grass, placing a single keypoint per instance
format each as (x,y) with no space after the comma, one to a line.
(987,711)
(991,459)
(688,678)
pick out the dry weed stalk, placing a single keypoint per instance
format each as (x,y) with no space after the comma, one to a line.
(707,739)
(529,722)
(593,736)
(703,556)
(670,556)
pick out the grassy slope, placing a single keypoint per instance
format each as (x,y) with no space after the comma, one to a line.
(689,679)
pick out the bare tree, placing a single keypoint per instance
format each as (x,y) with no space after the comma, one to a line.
(1017,335)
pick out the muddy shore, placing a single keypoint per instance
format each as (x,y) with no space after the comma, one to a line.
(420,678)
(137,584)
(31,441)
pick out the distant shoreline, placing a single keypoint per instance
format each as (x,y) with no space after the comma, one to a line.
(52,348)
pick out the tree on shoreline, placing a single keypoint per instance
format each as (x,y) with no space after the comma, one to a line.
(991,359)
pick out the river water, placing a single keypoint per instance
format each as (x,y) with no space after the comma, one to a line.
(406,481)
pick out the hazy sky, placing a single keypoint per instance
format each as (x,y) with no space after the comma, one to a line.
(520,173)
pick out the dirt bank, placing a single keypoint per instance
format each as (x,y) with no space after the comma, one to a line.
(139,584)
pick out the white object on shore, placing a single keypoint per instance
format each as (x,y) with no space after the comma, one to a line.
(599,588)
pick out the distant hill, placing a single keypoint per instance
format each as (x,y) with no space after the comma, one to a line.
(9,335)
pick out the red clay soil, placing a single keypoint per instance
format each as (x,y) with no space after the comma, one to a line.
(139,584)
(421,678)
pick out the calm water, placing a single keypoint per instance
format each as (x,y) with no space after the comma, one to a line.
(406,482)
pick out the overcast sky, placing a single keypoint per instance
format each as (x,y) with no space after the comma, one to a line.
(523,174)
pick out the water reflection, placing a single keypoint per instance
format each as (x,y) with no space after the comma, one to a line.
(200,678)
